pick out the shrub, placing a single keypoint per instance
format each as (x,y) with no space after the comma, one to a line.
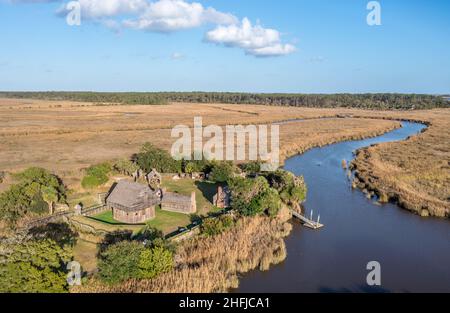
(154,261)
(189,168)
(292,189)
(126,167)
(222,171)
(28,194)
(215,226)
(151,157)
(131,259)
(34,266)
(96,175)
(251,167)
(119,262)
(90,182)
(254,196)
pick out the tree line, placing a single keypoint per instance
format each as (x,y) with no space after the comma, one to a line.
(377,101)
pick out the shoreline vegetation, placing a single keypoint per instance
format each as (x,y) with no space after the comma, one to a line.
(378,101)
(212,264)
(414,173)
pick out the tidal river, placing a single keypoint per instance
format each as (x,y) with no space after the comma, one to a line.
(414,252)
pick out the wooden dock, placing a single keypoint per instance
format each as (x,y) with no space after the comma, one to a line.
(307,222)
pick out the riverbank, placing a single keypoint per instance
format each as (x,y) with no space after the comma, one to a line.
(357,230)
(414,173)
(213,264)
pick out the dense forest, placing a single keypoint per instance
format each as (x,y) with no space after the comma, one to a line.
(364,101)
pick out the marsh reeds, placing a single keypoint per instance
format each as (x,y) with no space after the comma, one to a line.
(212,264)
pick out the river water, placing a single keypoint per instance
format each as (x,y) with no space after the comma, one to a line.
(414,252)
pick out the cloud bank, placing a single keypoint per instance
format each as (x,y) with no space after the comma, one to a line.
(166,16)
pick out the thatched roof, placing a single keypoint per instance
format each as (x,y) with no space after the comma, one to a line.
(172,197)
(132,196)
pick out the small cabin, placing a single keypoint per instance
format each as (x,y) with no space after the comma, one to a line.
(175,202)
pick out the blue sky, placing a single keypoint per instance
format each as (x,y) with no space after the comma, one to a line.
(307,46)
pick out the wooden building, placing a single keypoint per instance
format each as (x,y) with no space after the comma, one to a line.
(132,203)
(175,202)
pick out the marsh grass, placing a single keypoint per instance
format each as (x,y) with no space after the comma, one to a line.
(212,264)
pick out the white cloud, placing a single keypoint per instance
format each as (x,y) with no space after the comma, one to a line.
(177,56)
(98,9)
(173,15)
(255,40)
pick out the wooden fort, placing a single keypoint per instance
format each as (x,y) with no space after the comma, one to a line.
(132,203)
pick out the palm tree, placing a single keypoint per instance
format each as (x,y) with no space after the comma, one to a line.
(50,195)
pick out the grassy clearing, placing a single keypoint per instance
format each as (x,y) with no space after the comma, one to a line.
(204,192)
(168,222)
(85,253)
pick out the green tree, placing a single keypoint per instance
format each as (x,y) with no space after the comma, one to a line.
(253,167)
(50,195)
(214,226)
(189,168)
(34,266)
(270,202)
(155,261)
(119,262)
(126,167)
(292,189)
(254,196)
(27,195)
(151,157)
(222,172)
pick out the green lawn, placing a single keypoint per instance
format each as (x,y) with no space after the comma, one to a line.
(164,221)
(204,192)
(169,221)
(107,217)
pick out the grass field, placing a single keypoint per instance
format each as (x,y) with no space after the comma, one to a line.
(66,137)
